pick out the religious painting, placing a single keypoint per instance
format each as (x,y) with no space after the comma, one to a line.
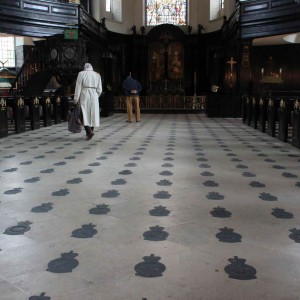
(175,61)
(157,62)
(166,12)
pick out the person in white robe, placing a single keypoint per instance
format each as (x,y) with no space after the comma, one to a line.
(87,92)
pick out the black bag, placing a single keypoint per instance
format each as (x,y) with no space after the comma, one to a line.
(74,122)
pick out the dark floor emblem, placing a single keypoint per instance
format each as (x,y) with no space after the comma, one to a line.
(262,155)
(78,152)
(159,211)
(28,162)
(138,153)
(168,159)
(134,158)
(215,196)
(278,167)
(119,182)
(164,182)
(220,212)
(241,166)
(206,173)
(167,165)
(166,173)
(43,208)
(13,191)
(131,165)
(269,160)
(108,152)
(50,152)
(295,235)
(42,296)
(210,183)
(297,184)
(65,264)
(170,149)
(39,157)
(204,166)
(113,148)
(32,180)
(248,174)
(23,151)
(61,192)
(95,164)
(47,171)
(155,234)
(256,184)
(289,175)
(110,194)
(227,235)
(70,157)
(125,172)
(231,154)
(61,163)
(11,170)
(281,213)
(202,159)
(200,154)
(74,181)
(19,229)
(102,158)
(239,270)
(101,209)
(150,267)
(87,171)
(86,231)
(141,149)
(169,153)
(267,197)
(9,156)
(236,160)
(162,195)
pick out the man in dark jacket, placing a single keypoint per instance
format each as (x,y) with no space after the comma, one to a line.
(132,88)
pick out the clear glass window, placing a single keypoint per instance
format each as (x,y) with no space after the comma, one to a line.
(166,12)
(7,52)
(108,5)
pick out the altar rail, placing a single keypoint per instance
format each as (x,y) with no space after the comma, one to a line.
(277,116)
(164,103)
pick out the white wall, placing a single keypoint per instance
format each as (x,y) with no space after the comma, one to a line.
(132,13)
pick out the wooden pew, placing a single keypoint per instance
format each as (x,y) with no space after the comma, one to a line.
(57,109)
(296,124)
(249,111)
(34,112)
(255,112)
(284,118)
(262,118)
(272,112)
(3,118)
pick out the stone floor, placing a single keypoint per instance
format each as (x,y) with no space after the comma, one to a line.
(176,207)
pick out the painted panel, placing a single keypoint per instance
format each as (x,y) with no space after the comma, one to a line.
(256,7)
(29,6)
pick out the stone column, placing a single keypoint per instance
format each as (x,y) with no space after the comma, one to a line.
(95,9)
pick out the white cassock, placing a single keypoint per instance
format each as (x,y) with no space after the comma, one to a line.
(88,90)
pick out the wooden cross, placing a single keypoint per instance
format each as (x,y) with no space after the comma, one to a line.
(231,62)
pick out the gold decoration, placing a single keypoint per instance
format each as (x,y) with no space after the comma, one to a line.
(36,101)
(20,102)
(3,104)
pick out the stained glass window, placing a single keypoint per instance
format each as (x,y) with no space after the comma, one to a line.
(166,12)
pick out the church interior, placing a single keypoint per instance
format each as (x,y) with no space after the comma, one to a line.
(199,200)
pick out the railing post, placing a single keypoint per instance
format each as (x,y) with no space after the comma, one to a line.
(271,115)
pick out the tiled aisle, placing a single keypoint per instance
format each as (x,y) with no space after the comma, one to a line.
(176,207)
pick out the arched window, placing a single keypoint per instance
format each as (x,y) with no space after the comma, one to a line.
(166,12)
(216,9)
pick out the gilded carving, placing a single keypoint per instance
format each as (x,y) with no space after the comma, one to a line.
(48,101)
(270,103)
(36,101)
(3,104)
(261,102)
(282,103)
(58,100)
(296,105)
(20,102)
